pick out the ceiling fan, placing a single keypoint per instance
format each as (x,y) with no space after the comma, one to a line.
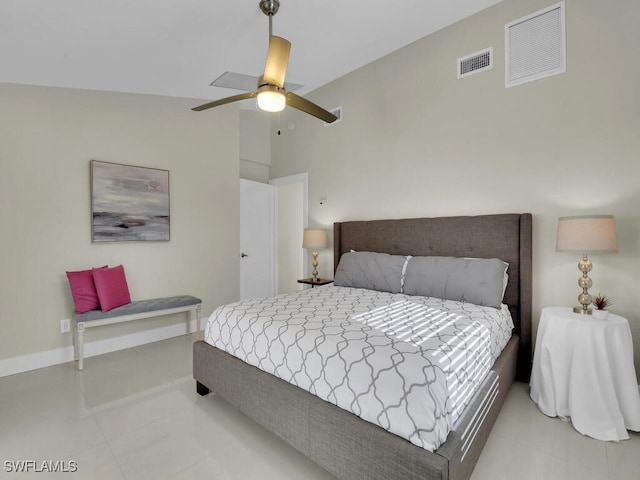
(271,91)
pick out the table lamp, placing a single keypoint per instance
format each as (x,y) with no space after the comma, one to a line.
(586,234)
(315,239)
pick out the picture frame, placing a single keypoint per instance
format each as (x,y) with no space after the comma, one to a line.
(129,203)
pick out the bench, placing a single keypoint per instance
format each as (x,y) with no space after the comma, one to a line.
(132,311)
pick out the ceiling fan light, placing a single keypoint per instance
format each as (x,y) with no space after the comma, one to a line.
(271,99)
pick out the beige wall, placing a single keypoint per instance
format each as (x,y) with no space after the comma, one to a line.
(47,138)
(255,145)
(415,141)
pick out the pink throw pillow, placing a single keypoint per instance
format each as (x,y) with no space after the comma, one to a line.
(112,288)
(83,290)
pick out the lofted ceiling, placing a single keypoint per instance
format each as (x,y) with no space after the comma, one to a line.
(178,47)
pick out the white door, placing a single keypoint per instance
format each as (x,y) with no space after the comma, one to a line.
(257,239)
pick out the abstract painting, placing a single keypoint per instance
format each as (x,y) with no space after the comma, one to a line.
(129,203)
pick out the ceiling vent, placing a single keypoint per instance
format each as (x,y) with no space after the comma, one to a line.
(338,113)
(475,63)
(535,46)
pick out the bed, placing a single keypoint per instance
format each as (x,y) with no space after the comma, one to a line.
(345,444)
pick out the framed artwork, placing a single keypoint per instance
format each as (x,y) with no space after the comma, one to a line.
(129,203)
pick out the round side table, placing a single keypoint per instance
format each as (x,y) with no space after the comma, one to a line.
(583,370)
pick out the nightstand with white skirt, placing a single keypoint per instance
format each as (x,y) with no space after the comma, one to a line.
(583,371)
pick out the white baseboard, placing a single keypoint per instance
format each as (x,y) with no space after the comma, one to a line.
(33,361)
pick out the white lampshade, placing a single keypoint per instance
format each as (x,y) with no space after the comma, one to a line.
(587,234)
(315,239)
(271,100)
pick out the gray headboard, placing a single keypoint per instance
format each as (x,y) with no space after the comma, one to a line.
(503,236)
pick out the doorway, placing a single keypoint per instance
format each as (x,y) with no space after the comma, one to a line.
(272,219)
(291,220)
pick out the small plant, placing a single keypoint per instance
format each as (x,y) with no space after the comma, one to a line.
(601,302)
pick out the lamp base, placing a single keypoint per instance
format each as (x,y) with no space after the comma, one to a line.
(314,274)
(588,311)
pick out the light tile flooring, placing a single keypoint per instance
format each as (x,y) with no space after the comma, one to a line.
(134,414)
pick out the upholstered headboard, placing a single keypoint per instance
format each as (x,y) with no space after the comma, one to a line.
(503,236)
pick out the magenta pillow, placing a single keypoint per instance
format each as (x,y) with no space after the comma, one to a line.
(83,290)
(112,288)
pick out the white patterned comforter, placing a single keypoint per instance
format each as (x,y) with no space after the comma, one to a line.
(408,364)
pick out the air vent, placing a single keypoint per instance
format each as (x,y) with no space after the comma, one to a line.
(338,113)
(475,63)
(535,46)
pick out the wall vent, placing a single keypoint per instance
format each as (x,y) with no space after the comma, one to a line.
(475,63)
(338,113)
(535,46)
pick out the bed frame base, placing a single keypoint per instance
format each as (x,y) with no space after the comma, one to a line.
(342,443)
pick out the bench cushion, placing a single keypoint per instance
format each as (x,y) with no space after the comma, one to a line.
(140,306)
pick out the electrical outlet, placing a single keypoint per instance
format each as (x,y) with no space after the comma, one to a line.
(65,325)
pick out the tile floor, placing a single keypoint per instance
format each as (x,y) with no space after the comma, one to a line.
(134,414)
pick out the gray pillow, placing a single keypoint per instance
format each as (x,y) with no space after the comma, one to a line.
(475,280)
(371,270)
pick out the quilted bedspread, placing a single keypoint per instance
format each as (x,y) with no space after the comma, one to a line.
(408,364)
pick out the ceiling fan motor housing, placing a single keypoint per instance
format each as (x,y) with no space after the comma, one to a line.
(269,7)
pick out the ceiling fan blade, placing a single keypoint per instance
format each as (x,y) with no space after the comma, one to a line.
(306,106)
(223,101)
(277,60)
(237,81)
(240,81)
